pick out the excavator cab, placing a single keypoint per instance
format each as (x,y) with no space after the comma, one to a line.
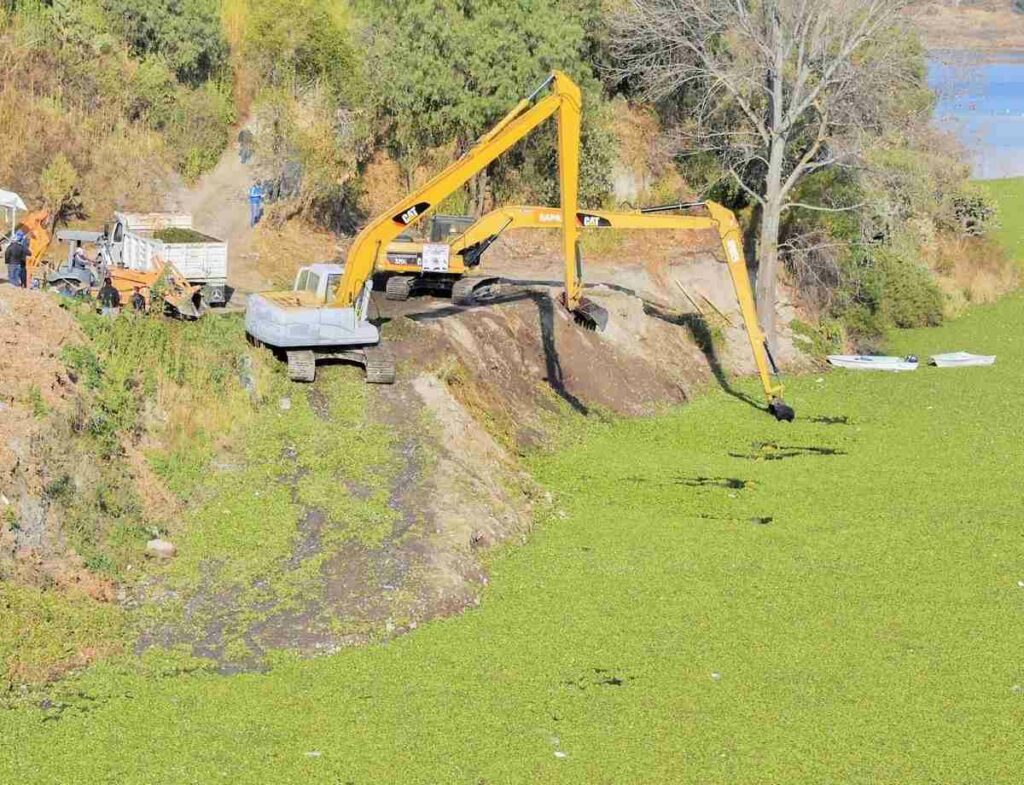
(445,228)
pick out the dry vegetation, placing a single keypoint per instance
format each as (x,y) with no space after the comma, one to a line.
(968,24)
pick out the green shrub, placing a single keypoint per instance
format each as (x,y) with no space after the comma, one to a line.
(975,211)
(822,339)
(910,295)
(186,33)
(198,128)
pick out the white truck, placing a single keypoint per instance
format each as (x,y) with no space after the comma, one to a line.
(139,241)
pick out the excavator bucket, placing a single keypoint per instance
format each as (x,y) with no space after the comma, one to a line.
(183,304)
(781,411)
(586,313)
(589,315)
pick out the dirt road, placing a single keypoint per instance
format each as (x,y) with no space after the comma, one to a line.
(220,208)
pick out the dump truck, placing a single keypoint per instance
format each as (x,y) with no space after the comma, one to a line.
(143,242)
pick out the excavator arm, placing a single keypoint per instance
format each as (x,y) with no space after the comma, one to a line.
(723,221)
(480,235)
(564,101)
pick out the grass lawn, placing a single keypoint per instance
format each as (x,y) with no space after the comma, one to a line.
(718,598)
(1010,195)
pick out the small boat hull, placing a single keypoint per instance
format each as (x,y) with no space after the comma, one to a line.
(865,362)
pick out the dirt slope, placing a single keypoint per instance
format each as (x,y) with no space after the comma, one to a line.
(34,447)
(220,208)
(477,387)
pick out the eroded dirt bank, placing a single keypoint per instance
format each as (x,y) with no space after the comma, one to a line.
(295,547)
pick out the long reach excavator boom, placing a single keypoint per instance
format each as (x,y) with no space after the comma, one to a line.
(466,250)
(325,315)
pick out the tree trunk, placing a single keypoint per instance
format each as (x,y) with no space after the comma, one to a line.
(478,194)
(768,269)
(768,245)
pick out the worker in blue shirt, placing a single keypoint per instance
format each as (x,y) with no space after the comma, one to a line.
(255,204)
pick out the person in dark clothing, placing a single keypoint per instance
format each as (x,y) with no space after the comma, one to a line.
(138,301)
(110,298)
(16,258)
(246,145)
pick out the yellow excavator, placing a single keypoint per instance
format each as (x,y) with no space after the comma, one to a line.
(405,261)
(324,316)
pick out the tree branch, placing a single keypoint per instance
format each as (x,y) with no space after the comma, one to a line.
(821,208)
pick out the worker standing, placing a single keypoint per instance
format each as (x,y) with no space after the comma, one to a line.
(246,144)
(110,298)
(138,301)
(16,258)
(255,204)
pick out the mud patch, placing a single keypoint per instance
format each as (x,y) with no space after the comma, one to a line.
(727,483)
(319,403)
(730,483)
(599,677)
(770,451)
(310,539)
(843,420)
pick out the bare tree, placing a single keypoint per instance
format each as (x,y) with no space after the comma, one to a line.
(776,89)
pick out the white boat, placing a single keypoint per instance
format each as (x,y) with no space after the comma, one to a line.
(961,360)
(872,362)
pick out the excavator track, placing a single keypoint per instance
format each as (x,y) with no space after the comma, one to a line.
(462,291)
(301,366)
(380,365)
(399,287)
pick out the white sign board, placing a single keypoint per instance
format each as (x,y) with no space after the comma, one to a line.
(435,257)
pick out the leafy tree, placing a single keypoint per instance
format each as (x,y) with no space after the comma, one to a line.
(186,33)
(776,90)
(59,185)
(299,44)
(445,70)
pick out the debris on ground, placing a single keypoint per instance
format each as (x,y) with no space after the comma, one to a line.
(962,360)
(160,549)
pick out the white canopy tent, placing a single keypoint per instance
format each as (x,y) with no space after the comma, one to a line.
(11,204)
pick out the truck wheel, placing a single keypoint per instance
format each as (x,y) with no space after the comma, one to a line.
(380,366)
(215,296)
(301,366)
(399,287)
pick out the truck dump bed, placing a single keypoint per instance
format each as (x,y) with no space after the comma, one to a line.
(149,237)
